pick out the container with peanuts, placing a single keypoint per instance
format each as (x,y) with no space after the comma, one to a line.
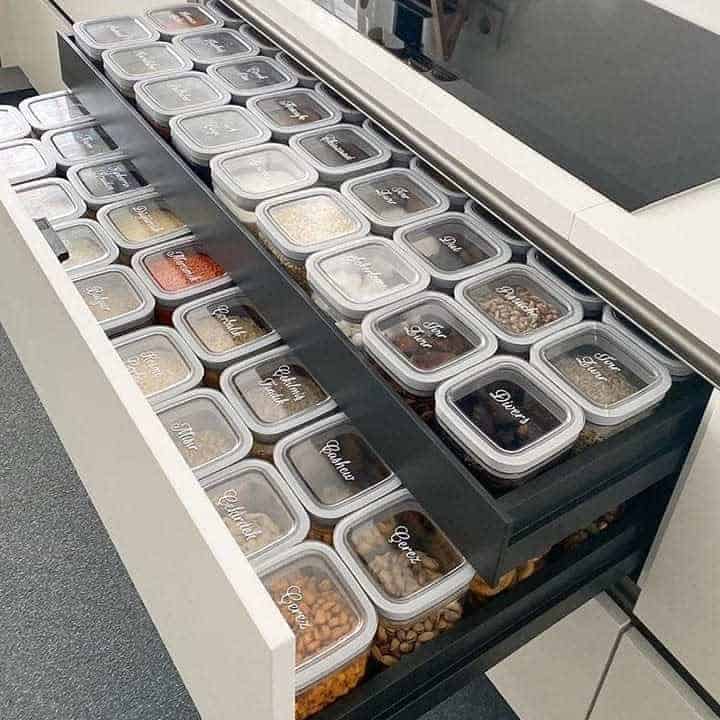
(333,621)
(414,575)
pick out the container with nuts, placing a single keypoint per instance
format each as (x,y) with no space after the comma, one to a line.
(333,621)
(414,575)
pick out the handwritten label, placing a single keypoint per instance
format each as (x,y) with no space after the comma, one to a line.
(510,294)
(424,333)
(599,365)
(332,451)
(282,387)
(505,400)
(291,599)
(229,503)
(401,539)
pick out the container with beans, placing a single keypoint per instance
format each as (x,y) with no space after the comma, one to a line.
(331,617)
(53,110)
(401,155)
(334,471)
(414,575)
(106,33)
(494,227)
(458,199)
(520,304)
(13,126)
(79,144)
(246,78)
(214,45)
(54,199)
(89,246)
(26,160)
(176,19)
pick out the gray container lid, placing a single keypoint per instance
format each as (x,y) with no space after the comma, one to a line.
(306,78)
(79,143)
(228,15)
(452,247)
(508,416)
(106,33)
(603,370)
(89,246)
(341,152)
(401,155)
(266,45)
(52,198)
(224,327)
(13,125)
(176,19)
(245,79)
(54,110)
(207,47)
(427,339)
(494,226)
(350,114)
(116,297)
(458,198)
(26,160)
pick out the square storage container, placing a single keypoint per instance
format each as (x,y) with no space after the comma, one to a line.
(508,418)
(520,304)
(306,78)
(350,114)
(333,470)
(416,578)
(206,430)
(26,160)
(401,155)
(106,33)
(493,226)
(206,47)
(13,125)
(79,144)
(275,394)
(245,79)
(332,618)
(54,199)
(393,198)
(452,247)
(266,45)
(176,19)
(160,362)
(88,245)
(458,199)
(117,298)
(258,508)
(341,152)
(53,110)
(101,182)
(228,15)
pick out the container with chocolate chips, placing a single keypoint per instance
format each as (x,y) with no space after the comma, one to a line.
(176,19)
(54,110)
(494,227)
(105,33)
(101,182)
(458,199)
(88,245)
(206,47)
(79,144)
(249,77)
(26,160)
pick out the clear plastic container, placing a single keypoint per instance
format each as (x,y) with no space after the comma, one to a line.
(222,329)
(401,156)
(266,45)
(206,430)
(452,247)
(521,305)
(54,110)
(275,394)
(79,144)
(106,33)
(200,136)
(160,361)
(142,222)
(247,177)
(296,226)
(393,198)
(178,271)
(677,368)
(89,246)
(306,78)
(592,304)
(333,470)
(350,114)
(101,182)
(458,199)
(26,160)
(341,152)
(13,125)
(206,47)
(508,417)
(53,199)
(425,340)
(245,79)
(494,227)
(117,298)
(227,14)
(258,508)
(177,19)
(414,575)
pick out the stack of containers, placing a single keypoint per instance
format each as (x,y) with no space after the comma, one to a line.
(107,33)
(244,79)
(26,160)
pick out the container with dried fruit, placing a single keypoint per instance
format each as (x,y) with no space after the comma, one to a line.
(53,110)
(222,329)
(206,430)
(78,144)
(258,508)
(334,471)
(13,126)
(350,114)
(401,155)
(414,575)
(176,19)
(520,304)
(458,199)
(331,617)
(214,45)
(245,79)
(54,199)
(494,227)
(26,160)
(89,246)
(106,33)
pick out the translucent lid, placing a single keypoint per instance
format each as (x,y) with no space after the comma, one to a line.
(676,367)
(104,33)
(302,223)
(603,370)
(341,152)
(80,143)
(141,222)
(401,155)
(52,198)
(162,98)
(205,47)
(13,126)
(179,270)
(507,416)
(254,174)
(358,277)
(495,227)
(224,327)
(88,246)
(100,182)
(275,393)
(520,304)
(206,430)
(350,113)
(160,361)
(458,198)
(54,110)
(25,160)
(258,508)
(289,112)
(332,469)
(127,66)
(253,76)
(116,297)
(201,135)
(425,340)
(175,19)
(402,559)
(394,197)
(306,78)
(592,304)
(266,45)
(227,14)
(452,247)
